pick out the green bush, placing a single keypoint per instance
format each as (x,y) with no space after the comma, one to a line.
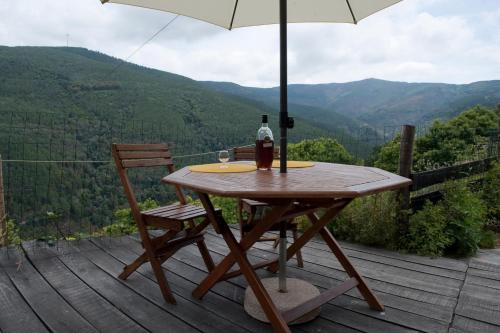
(453,226)
(488,240)
(321,150)
(370,221)
(490,194)
(466,214)
(13,236)
(387,158)
(426,232)
(123,223)
(229,207)
(445,143)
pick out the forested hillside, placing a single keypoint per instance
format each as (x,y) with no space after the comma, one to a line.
(70,104)
(377,102)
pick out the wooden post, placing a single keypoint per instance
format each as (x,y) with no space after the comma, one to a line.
(3,215)
(405,166)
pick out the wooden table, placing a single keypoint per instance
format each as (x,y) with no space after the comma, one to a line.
(303,191)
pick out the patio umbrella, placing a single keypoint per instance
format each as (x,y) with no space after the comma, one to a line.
(232,14)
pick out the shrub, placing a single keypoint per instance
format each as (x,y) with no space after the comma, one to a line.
(124,223)
(426,232)
(491,196)
(321,150)
(488,240)
(370,221)
(387,157)
(466,215)
(229,207)
(13,236)
(453,226)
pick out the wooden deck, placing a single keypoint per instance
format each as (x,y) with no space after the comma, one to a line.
(73,288)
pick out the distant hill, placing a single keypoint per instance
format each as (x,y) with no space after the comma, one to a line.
(67,104)
(375,102)
(84,83)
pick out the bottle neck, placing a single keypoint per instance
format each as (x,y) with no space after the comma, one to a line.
(265,125)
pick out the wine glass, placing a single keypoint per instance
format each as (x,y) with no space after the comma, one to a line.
(223,158)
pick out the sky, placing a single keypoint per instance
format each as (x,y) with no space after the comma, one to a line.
(451,41)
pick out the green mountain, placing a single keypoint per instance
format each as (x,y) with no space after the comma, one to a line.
(375,102)
(85,83)
(67,104)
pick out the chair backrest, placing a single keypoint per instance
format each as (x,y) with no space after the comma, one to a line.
(247,153)
(129,156)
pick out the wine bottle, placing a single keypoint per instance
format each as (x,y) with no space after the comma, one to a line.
(264,146)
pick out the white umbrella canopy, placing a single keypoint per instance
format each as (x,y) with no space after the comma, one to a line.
(231,14)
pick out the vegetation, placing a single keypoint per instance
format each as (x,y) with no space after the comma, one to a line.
(229,207)
(321,150)
(463,221)
(377,102)
(462,138)
(71,104)
(13,237)
(123,223)
(490,193)
(369,220)
(453,226)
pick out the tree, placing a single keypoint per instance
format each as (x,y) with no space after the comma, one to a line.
(321,150)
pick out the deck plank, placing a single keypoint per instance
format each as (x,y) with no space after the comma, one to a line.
(145,284)
(390,294)
(392,313)
(15,314)
(134,305)
(55,312)
(73,287)
(93,307)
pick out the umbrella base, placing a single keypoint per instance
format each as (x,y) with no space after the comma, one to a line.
(298,292)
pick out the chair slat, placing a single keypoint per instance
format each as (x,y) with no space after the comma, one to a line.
(146,163)
(143,154)
(142,147)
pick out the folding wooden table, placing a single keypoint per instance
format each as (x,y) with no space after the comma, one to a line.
(302,191)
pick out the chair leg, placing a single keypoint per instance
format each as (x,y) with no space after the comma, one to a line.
(129,269)
(156,266)
(162,281)
(298,255)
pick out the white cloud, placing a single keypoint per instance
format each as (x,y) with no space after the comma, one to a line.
(452,41)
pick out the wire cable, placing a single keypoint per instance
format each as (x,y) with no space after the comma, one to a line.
(142,45)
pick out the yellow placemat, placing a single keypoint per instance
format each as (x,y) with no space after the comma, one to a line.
(221,168)
(294,164)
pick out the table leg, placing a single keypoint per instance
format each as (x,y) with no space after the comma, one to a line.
(238,255)
(363,288)
(313,230)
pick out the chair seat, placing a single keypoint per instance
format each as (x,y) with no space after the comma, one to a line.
(175,212)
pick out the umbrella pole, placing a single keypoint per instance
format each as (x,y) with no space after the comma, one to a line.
(283,86)
(284,122)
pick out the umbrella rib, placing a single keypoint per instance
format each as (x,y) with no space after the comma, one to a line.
(352,13)
(234,13)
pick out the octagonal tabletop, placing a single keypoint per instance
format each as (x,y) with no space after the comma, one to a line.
(323,180)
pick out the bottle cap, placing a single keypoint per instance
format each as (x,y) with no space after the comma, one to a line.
(264,118)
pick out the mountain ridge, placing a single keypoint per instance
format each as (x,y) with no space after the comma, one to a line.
(377,102)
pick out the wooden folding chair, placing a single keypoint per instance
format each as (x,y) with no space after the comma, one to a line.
(250,207)
(177,219)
